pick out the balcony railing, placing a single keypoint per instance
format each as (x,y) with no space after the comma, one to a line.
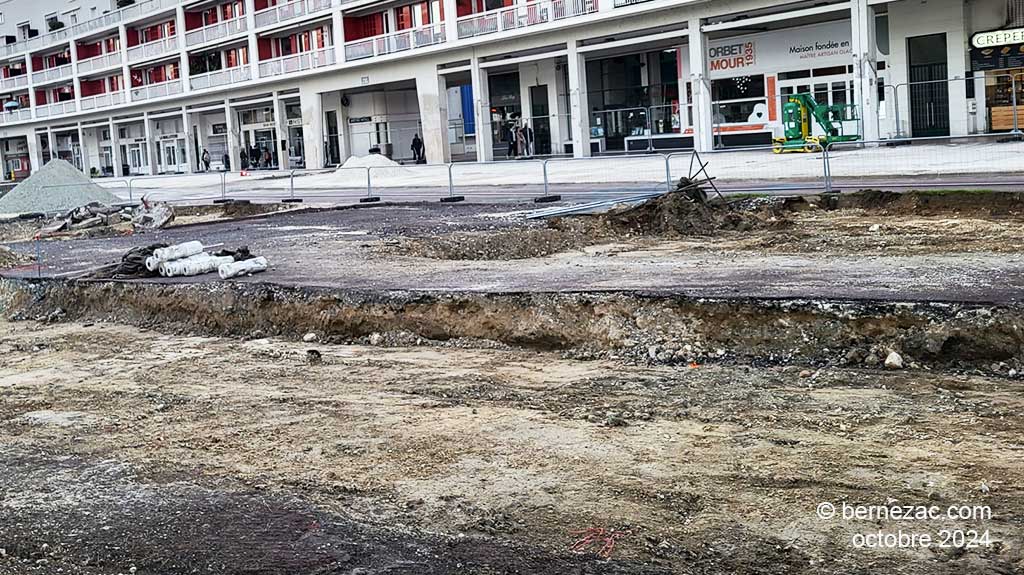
(522,16)
(9,117)
(396,42)
(290,10)
(297,62)
(151,91)
(153,49)
(55,109)
(52,74)
(220,77)
(215,31)
(138,10)
(621,3)
(102,100)
(14,82)
(99,62)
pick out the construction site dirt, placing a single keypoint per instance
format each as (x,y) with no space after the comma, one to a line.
(456,389)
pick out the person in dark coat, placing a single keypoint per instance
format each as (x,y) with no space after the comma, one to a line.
(417,148)
(244,157)
(227,162)
(206,160)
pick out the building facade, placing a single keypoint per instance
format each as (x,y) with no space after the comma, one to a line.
(165,86)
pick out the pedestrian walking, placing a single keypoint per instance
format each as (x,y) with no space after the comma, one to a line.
(417,148)
(206,160)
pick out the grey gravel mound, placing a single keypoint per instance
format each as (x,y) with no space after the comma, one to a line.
(56,187)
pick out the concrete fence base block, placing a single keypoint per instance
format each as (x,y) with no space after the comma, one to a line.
(291,201)
(452,199)
(223,201)
(369,199)
(547,199)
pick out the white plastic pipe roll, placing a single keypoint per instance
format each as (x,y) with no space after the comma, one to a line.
(193,265)
(178,251)
(234,269)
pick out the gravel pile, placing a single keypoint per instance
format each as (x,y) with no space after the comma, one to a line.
(56,187)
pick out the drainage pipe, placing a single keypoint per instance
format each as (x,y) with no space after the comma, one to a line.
(235,269)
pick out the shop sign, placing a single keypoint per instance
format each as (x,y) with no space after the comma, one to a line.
(360,119)
(817,45)
(731,56)
(820,49)
(998,38)
(293,122)
(997,58)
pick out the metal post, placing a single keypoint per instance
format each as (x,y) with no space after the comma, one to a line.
(650,130)
(548,196)
(1013,101)
(827,169)
(668,173)
(223,189)
(451,197)
(896,105)
(291,199)
(370,198)
(130,199)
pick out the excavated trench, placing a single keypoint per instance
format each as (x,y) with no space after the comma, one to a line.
(628,325)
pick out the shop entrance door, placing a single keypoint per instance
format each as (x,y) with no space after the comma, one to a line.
(333,142)
(169,156)
(929,92)
(540,120)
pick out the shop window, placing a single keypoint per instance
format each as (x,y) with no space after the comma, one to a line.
(839,93)
(736,112)
(832,71)
(821,93)
(794,75)
(738,88)
(739,100)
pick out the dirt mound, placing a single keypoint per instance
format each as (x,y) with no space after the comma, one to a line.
(677,215)
(938,202)
(672,215)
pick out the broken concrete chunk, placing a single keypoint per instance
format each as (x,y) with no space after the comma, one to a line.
(152,215)
(893,361)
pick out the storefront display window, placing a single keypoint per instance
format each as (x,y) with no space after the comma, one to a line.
(738,100)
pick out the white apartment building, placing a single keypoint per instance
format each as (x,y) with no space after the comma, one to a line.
(154,86)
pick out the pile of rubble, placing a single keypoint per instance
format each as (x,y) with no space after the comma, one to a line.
(686,211)
(95,216)
(185,259)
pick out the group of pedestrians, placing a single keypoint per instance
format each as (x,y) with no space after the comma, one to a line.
(519,136)
(256,157)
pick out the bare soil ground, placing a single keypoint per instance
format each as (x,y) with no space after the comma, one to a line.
(866,223)
(133,451)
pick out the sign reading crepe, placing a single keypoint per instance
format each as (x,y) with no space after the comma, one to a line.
(998,38)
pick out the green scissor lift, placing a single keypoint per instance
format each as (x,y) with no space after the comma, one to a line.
(797,114)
